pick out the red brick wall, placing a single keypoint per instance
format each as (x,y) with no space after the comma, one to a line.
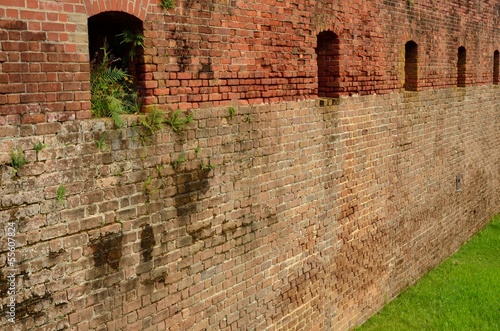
(43,72)
(238,52)
(317,211)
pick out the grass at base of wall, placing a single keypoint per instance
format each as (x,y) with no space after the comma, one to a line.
(463,293)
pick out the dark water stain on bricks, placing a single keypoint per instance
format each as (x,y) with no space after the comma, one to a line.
(3,285)
(34,307)
(147,242)
(107,250)
(189,186)
(53,255)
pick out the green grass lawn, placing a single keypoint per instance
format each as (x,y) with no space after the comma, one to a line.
(463,293)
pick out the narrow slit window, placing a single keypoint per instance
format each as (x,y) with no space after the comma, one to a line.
(327,52)
(411,66)
(461,67)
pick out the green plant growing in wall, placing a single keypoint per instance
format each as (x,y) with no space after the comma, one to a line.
(119,172)
(147,187)
(112,89)
(133,40)
(167,4)
(197,150)
(38,146)
(18,160)
(61,193)
(177,121)
(147,184)
(207,167)
(101,142)
(180,159)
(159,169)
(153,121)
(232,112)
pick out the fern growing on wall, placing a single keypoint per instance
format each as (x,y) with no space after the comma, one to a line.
(133,40)
(112,90)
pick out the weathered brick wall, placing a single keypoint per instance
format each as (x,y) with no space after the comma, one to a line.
(317,211)
(313,217)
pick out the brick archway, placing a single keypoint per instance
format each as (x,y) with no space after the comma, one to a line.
(138,8)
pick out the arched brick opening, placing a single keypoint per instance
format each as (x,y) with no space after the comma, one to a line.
(496,67)
(461,67)
(137,8)
(117,31)
(327,52)
(108,27)
(411,66)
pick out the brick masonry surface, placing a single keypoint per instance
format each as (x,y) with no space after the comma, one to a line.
(313,217)
(227,52)
(295,213)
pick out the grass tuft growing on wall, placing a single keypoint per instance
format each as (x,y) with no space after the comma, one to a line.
(178,121)
(18,160)
(463,293)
